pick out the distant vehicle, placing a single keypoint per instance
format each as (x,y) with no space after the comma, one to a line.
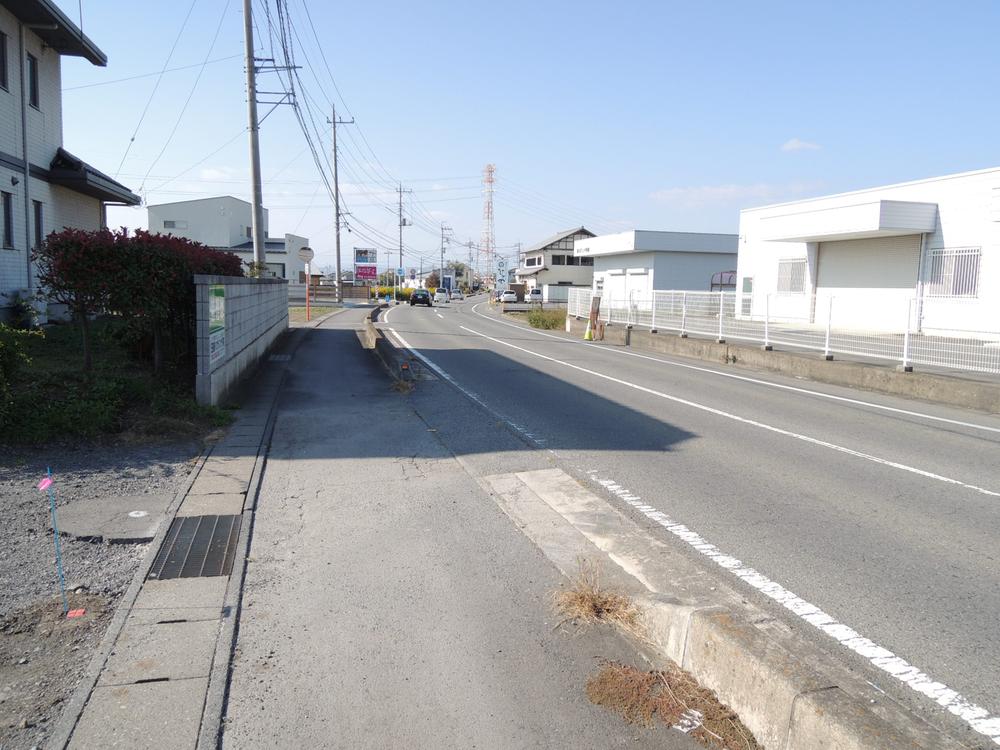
(420,297)
(534,295)
(457,294)
(508,295)
(441,295)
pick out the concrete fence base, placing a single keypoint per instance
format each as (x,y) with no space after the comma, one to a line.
(238,321)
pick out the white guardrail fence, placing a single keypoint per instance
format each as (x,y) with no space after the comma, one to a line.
(930,331)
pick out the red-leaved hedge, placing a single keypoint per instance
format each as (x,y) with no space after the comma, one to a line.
(144,278)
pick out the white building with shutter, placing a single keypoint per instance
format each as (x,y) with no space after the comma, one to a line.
(924,254)
(631,265)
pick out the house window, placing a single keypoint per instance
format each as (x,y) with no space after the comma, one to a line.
(7,202)
(250,232)
(572,260)
(586,261)
(532,261)
(169,224)
(33,81)
(559,260)
(792,276)
(954,272)
(39,226)
(4,80)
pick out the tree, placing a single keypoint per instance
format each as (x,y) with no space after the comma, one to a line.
(432,281)
(78,268)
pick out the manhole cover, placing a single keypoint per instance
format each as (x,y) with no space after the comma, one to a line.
(197,546)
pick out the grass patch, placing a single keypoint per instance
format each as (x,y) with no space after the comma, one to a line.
(298,314)
(547,319)
(52,399)
(672,696)
(587,602)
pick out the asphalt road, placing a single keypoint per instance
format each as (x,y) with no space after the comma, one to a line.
(882,512)
(388,601)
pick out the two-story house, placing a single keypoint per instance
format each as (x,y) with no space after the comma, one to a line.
(43,188)
(551,263)
(224,222)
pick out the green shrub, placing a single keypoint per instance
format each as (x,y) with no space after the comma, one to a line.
(12,358)
(548,319)
(381,292)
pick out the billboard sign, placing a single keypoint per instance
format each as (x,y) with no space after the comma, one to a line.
(366,255)
(365,271)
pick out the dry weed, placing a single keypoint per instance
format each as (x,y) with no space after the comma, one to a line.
(402,386)
(673,696)
(586,602)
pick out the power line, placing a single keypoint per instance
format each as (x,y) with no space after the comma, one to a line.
(155,87)
(150,75)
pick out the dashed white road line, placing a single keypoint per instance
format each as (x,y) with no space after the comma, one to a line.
(746,379)
(745,420)
(977,717)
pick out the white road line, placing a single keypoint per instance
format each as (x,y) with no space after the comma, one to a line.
(744,378)
(440,315)
(977,717)
(744,420)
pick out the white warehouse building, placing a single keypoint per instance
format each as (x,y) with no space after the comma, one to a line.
(631,265)
(224,223)
(922,254)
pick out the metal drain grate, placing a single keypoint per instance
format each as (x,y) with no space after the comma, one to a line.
(197,546)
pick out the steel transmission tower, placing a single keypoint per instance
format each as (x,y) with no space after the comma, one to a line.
(488,240)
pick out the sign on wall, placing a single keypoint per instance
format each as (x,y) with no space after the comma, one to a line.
(216,323)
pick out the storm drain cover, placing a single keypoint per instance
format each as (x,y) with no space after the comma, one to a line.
(197,546)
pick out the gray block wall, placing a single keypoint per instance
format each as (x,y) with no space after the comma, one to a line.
(256,315)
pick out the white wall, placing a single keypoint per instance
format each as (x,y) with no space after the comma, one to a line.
(219,222)
(968,216)
(690,271)
(639,274)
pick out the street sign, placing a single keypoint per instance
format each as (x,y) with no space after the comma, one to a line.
(399,271)
(306,254)
(413,274)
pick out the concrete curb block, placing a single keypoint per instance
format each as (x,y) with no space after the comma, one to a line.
(786,695)
(63,730)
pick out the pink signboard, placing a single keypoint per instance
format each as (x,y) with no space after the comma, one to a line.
(365,272)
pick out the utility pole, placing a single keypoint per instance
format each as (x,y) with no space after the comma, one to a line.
(334,122)
(257,217)
(402,223)
(444,228)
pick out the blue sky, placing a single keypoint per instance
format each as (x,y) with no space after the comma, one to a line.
(654,115)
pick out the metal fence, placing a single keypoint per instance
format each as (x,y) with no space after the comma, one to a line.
(909,331)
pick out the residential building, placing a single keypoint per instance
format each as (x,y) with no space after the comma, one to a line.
(924,254)
(631,265)
(551,263)
(43,188)
(224,222)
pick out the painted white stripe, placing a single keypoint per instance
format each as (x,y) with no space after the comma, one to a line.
(744,378)
(977,717)
(745,420)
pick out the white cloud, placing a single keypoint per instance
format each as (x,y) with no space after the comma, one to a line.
(732,194)
(797,144)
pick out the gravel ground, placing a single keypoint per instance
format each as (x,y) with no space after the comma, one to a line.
(41,655)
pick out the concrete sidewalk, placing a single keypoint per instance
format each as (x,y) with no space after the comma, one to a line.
(388,601)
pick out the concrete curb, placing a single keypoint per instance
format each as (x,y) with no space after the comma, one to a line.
(70,715)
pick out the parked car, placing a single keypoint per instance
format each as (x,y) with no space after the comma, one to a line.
(534,295)
(420,297)
(441,295)
(457,294)
(508,295)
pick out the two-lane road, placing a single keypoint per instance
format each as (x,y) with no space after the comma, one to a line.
(882,514)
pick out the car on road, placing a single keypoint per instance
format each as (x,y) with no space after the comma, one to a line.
(534,295)
(420,297)
(457,294)
(508,295)
(441,295)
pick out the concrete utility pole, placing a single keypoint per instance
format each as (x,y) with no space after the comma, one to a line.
(257,215)
(444,229)
(334,122)
(402,223)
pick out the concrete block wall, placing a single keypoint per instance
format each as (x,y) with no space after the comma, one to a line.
(256,315)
